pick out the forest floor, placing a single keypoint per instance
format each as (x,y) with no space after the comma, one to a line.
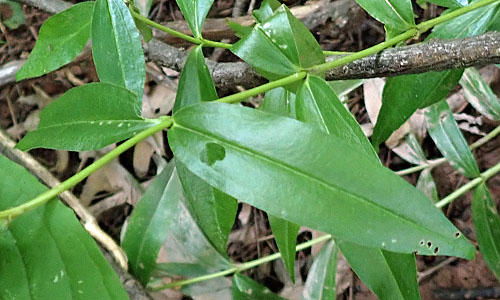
(111,193)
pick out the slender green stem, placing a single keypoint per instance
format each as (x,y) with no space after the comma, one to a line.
(14,212)
(240,267)
(470,185)
(435,162)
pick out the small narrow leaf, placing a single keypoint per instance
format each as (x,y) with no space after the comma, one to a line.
(487,226)
(320,283)
(280,46)
(45,253)
(426,185)
(195,83)
(239,30)
(269,148)
(343,87)
(279,101)
(117,48)
(480,95)
(150,222)
(285,233)
(88,117)
(389,275)
(195,12)
(397,14)
(317,104)
(61,38)
(403,95)
(265,10)
(12,14)
(449,139)
(450,3)
(245,288)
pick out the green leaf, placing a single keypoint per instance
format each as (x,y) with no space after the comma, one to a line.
(397,14)
(239,30)
(317,104)
(279,101)
(285,234)
(245,143)
(45,253)
(389,275)
(280,46)
(117,48)
(61,38)
(320,283)
(213,210)
(343,87)
(195,12)
(88,117)
(403,95)
(480,95)
(14,13)
(426,185)
(195,83)
(449,139)
(450,3)
(266,10)
(245,288)
(149,223)
(487,226)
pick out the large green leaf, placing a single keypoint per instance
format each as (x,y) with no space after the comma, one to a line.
(403,95)
(448,138)
(450,3)
(213,210)
(149,223)
(480,95)
(285,234)
(280,46)
(195,12)
(117,48)
(88,117)
(245,288)
(45,253)
(195,83)
(396,14)
(389,275)
(318,105)
(487,226)
(315,179)
(320,283)
(61,38)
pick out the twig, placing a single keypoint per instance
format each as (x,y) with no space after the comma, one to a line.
(469,294)
(8,71)
(89,222)
(423,275)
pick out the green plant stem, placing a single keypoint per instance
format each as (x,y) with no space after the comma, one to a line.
(14,212)
(240,267)
(252,264)
(435,162)
(470,185)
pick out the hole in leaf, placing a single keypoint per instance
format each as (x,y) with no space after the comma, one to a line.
(436,250)
(416,252)
(457,235)
(422,242)
(429,244)
(213,152)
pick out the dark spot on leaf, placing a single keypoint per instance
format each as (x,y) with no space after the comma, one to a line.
(157,111)
(213,152)
(457,235)
(429,244)
(436,250)
(422,242)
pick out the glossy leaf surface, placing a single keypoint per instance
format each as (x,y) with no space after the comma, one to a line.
(117,48)
(150,222)
(45,253)
(318,105)
(285,234)
(320,283)
(245,288)
(480,95)
(279,101)
(105,114)
(487,227)
(231,144)
(280,46)
(195,83)
(398,14)
(195,12)
(389,275)
(449,139)
(403,95)
(61,38)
